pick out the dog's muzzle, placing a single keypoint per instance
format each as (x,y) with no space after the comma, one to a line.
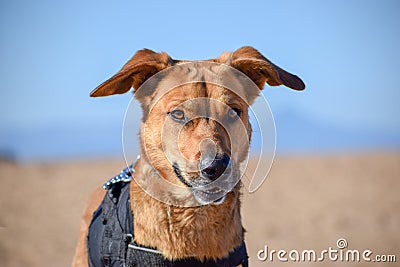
(214,182)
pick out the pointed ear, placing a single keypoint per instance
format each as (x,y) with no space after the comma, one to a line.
(258,68)
(144,64)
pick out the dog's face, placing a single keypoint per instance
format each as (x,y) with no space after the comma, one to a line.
(195,130)
(197,134)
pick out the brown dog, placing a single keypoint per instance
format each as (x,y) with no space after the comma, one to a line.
(192,134)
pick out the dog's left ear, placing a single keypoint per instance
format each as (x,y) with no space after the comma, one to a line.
(258,68)
(144,64)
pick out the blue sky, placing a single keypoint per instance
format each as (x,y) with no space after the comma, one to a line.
(55,52)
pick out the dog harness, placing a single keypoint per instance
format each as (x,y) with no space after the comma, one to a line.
(111,235)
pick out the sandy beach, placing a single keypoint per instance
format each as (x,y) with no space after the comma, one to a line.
(307,202)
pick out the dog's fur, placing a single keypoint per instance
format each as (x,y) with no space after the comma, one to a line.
(205,231)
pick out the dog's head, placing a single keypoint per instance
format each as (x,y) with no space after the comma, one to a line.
(195,129)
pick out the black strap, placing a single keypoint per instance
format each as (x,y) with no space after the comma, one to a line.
(142,256)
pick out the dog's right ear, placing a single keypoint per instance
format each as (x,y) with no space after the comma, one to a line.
(144,64)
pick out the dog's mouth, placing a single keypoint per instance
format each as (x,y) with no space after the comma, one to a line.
(214,195)
(204,191)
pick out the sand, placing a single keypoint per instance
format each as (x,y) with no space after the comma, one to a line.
(307,202)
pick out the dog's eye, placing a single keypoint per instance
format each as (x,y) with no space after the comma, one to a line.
(234,113)
(177,115)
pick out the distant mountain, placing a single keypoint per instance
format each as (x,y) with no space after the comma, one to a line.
(63,141)
(295,132)
(298,133)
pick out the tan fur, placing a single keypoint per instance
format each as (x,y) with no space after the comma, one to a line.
(203,232)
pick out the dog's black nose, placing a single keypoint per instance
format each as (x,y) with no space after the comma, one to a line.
(214,169)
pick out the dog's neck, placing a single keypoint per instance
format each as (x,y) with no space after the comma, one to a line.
(209,231)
